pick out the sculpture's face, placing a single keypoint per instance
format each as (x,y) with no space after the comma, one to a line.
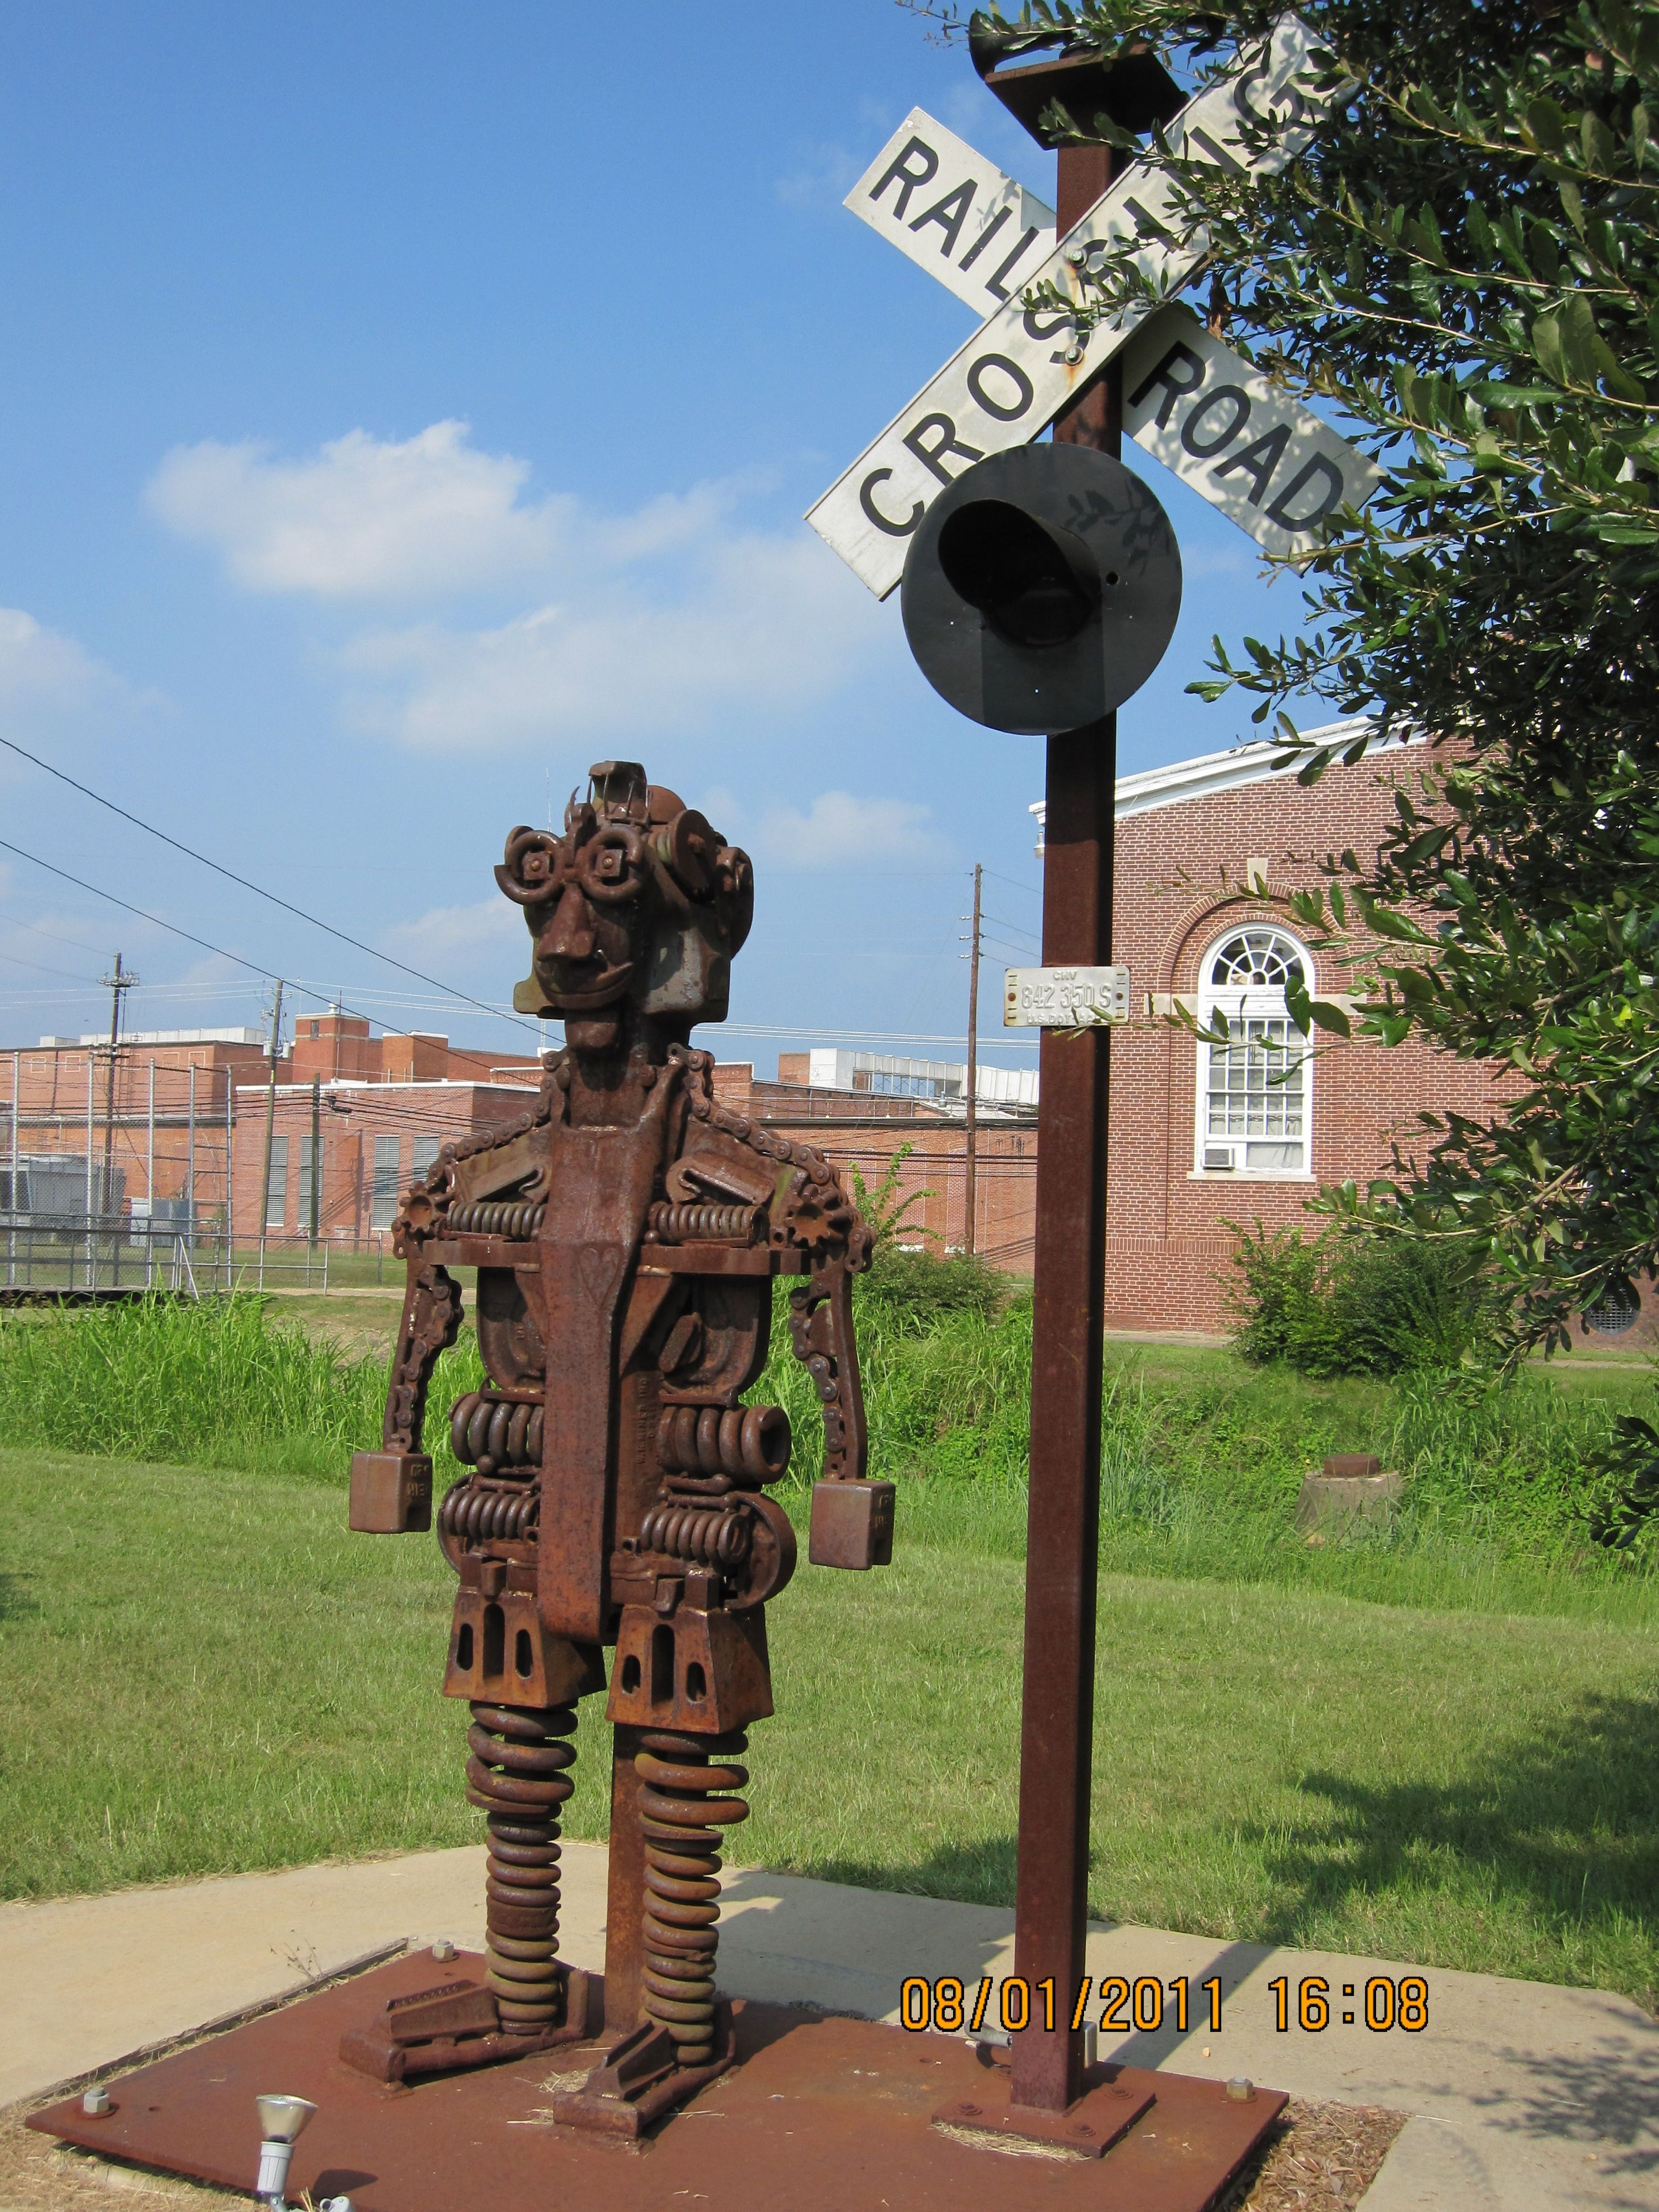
(639,903)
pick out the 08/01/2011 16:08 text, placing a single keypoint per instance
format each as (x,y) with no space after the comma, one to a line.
(1139,2003)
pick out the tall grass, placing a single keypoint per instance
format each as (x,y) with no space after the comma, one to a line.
(217,1383)
(1201,1470)
(1200,1463)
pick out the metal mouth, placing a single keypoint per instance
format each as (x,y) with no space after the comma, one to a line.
(600,990)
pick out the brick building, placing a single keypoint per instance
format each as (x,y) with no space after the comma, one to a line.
(146,1132)
(1204,1135)
(174,1122)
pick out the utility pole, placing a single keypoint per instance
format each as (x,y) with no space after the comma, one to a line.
(121,980)
(271,1108)
(971,1138)
(316,1159)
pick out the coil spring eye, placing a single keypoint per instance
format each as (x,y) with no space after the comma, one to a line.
(610,865)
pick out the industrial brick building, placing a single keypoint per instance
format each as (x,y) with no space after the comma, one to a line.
(1203,1135)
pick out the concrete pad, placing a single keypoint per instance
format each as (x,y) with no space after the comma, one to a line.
(1524,2096)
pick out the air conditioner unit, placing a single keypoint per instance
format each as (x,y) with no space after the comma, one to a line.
(1218,1157)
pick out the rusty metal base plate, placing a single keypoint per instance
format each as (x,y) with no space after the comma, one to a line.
(819,2113)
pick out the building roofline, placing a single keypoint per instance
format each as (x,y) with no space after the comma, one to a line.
(1253,762)
(376,1088)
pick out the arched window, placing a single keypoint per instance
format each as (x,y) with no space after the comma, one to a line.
(1255,1092)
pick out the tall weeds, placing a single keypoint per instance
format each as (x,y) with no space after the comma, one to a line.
(213,1382)
(1199,1468)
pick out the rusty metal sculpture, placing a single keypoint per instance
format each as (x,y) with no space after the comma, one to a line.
(625,1232)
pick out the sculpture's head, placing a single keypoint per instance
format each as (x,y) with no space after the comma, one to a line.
(639,904)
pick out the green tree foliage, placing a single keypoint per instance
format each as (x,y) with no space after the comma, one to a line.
(1464,263)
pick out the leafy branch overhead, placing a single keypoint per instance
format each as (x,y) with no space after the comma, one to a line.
(1463,271)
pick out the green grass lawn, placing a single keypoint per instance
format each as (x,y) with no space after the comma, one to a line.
(202,1672)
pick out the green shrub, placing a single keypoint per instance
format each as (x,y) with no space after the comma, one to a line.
(915,1290)
(1353,1304)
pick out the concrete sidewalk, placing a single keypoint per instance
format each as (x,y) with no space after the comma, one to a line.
(1524,2098)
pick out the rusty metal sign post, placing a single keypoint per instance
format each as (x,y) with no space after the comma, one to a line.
(1039,591)
(1063,1541)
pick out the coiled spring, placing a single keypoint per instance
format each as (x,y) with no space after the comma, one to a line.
(495,1218)
(517,1774)
(474,1510)
(682,1821)
(717,1538)
(704,1224)
(491,1433)
(748,1443)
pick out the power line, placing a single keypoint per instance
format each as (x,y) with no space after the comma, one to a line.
(11,921)
(190,938)
(218,951)
(39,968)
(1018,927)
(259,889)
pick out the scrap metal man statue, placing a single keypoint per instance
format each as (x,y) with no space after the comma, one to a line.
(625,1233)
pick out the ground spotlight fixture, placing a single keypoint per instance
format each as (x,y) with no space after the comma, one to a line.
(282,2120)
(1042,588)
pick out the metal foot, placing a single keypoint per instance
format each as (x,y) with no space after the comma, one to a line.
(640,2081)
(456,2026)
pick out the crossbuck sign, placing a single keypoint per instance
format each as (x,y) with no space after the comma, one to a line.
(1269,464)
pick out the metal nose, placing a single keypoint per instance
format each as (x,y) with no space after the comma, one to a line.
(569,935)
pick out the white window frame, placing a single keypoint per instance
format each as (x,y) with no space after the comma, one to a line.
(1226,1156)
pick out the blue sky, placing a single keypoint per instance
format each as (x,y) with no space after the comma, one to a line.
(406,406)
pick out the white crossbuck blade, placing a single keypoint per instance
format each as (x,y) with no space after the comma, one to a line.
(1267,462)
(928,193)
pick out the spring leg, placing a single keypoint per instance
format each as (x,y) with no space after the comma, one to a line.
(517,1773)
(681,1821)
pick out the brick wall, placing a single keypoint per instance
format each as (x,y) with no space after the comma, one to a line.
(368,1134)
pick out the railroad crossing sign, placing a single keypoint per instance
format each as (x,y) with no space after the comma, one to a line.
(1269,464)
(1014,374)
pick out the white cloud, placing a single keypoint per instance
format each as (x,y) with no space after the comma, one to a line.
(677,614)
(739,623)
(825,174)
(364,517)
(45,677)
(485,924)
(838,827)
